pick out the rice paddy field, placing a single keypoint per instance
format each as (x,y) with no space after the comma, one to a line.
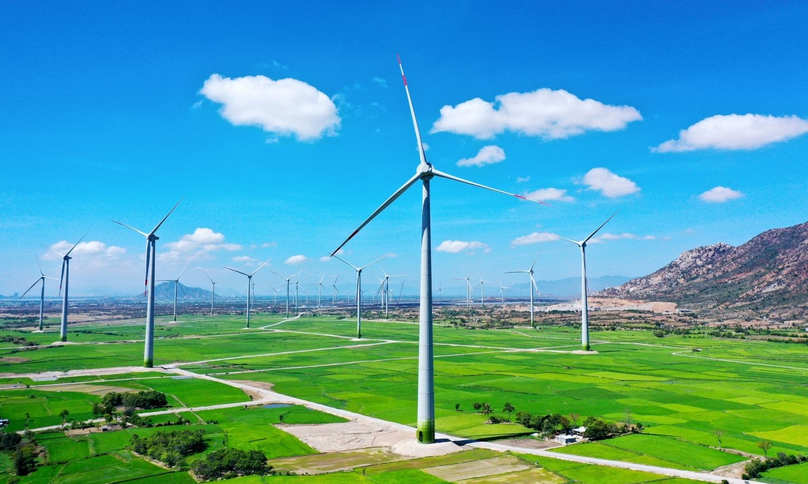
(686,392)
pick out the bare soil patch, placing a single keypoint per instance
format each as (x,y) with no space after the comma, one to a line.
(334,461)
(478,468)
(529,443)
(335,437)
(13,359)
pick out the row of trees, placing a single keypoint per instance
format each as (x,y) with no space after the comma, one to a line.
(757,467)
(169,447)
(145,400)
(229,463)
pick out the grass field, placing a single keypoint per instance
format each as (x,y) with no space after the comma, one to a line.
(744,390)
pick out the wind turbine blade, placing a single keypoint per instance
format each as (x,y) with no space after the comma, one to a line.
(570,240)
(164,219)
(32,286)
(451,177)
(39,265)
(259,267)
(144,234)
(343,260)
(321,278)
(278,274)
(76,244)
(206,275)
(421,151)
(375,261)
(384,205)
(183,270)
(336,279)
(517,272)
(597,229)
(534,260)
(62,279)
(53,250)
(148,259)
(235,270)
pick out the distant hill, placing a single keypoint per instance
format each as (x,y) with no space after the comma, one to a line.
(165,290)
(766,276)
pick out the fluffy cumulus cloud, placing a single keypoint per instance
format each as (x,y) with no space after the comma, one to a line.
(295,259)
(284,107)
(545,113)
(609,184)
(486,156)
(535,238)
(550,194)
(198,245)
(735,132)
(92,253)
(455,246)
(720,195)
(244,258)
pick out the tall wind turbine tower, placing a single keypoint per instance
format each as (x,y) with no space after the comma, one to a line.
(63,281)
(481,285)
(334,292)
(41,279)
(212,290)
(424,173)
(151,258)
(533,287)
(584,287)
(249,285)
(358,290)
(287,279)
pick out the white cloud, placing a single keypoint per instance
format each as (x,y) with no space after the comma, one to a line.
(295,259)
(735,132)
(285,107)
(546,194)
(325,258)
(544,112)
(244,258)
(92,253)
(522,179)
(197,245)
(486,156)
(624,235)
(609,184)
(455,246)
(535,238)
(720,195)
(380,81)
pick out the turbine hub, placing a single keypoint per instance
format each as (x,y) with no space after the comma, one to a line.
(425,171)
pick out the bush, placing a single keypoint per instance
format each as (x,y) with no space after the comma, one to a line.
(10,441)
(24,460)
(146,400)
(169,447)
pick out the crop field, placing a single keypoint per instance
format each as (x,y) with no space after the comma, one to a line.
(743,391)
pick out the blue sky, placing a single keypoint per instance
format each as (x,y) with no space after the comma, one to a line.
(284,126)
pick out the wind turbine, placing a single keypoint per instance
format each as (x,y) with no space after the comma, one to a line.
(334,292)
(212,290)
(41,279)
(358,290)
(64,281)
(176,287)
(387,290)
(502,293)
(287,279)
(297,288)
(533,287)
(151,258)
(425,172)
(468,291)
(275,301)
(320,289)
(584,287)
(481,285)
(249,285)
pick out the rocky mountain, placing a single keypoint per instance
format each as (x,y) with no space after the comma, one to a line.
(165,290)
(766,276)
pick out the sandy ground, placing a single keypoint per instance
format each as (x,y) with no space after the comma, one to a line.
(351,435)
(529,443)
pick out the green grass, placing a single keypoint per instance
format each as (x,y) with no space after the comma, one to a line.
(676,451)
(797,474)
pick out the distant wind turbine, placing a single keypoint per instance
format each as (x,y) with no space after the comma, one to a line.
(481,285)
(41,279)
(334,291)
(584,287)
(151,258)
(249,285)
(533,287)
(358,290)
(502,293)
(176,287)
(424,173)
(287,279)
(63,280)
(212,290)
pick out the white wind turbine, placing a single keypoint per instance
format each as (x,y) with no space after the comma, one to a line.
(424,173)
(358,290)
(584,287)
(320,290)
(249,285)
(287,279)
(41,279)
(481,285)
(386,284)
(334,292)
(176,287)
(532,288)
(502,293)
(212,290)
(151,257)
(275,301)
(63,280)
(468,291)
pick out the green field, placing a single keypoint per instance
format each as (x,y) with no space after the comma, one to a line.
(742,390)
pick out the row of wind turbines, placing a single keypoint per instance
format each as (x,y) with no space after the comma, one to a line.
(425,173)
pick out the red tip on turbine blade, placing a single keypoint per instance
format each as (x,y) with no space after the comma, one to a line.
(520,196)
(399,58)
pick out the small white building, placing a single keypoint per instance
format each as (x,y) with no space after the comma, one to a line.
(578,431)
(566,439)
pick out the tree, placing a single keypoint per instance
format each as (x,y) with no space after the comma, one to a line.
(477,406)
(24,460)
(27,419)
(64,413)
(574,418)
(486,409)
(457,407)
(765,445)
(508,408)
(718,434)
